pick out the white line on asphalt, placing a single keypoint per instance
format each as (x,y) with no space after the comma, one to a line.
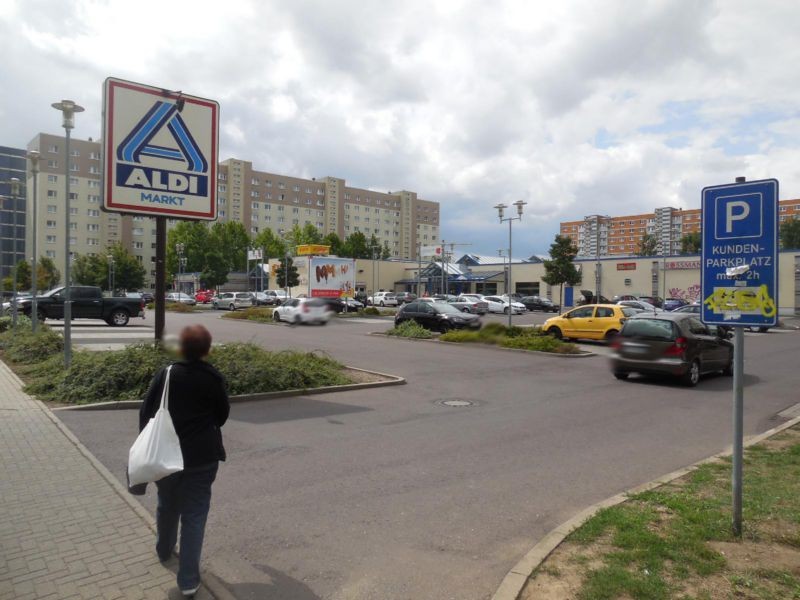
(83,335)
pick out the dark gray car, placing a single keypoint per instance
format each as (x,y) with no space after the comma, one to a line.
(676,344)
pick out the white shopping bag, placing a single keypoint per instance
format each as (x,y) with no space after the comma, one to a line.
(156,453)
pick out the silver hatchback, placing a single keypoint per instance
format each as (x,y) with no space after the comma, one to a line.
(233,300)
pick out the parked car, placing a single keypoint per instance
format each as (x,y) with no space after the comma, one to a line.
(695,308)
(445,297)
(181,298)
(262,299)
(302,310)
(656,301)
(382,299)
(676,344)
(146,296)
(640,305)
(619,297)
(436,316)
(431,299)
(276,296)
(591,322)
(500,305)
(337,305)
(87,303)
(204,296)
(539,303)
(232,300)
(403,297)
(588,297)
(470,304)
(671,304)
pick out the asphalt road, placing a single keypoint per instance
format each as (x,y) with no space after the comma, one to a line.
(388,494)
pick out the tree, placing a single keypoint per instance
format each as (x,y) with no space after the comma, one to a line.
(335,242)
(691,243)
(89,270)
(215,270)
(560,269)
(355,246)
(232,241)
(648,245)
(129,273)
(790,234)
(280,274)
(47,274)
(271,244)
(194,235)
(23,277)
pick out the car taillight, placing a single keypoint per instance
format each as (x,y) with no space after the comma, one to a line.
(305,308)
(677,348)
(616,343)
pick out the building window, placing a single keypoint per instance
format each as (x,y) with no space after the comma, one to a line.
(50,253)
(52,148)
(52,164)
(138,245)
(138,231)
(73,166)
(50,239)
(52,194)
(52,208)
(254,181)
(94,183)
(93,212)
(52,179)
(51,224)
(73,210)
(94,155)
(255,205)
(73,241)
(94,170)
(254,194)
(93,227)
(281,185)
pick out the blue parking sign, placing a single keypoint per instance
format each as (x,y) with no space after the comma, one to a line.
(740,254)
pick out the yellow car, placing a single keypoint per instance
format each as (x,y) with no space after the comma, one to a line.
(591,322)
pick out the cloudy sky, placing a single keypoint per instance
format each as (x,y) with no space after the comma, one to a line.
(576,107)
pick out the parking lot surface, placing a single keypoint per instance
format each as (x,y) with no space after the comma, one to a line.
(390,493)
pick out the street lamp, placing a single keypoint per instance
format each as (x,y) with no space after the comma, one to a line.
(179,248)
(110,259)
(68,109)
(33,156)
(500,211)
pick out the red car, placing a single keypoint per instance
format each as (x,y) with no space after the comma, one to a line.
(204,296)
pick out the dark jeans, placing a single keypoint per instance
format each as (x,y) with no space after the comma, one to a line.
(186,496)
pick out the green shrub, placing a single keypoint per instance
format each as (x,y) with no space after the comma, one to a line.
(463,337)
(525,338)
(24,346)
(258,314)
(494,329)
(150,306)
(178,307)
(7,323)
(370,311)
(126,374)
(410,329)
(540,343)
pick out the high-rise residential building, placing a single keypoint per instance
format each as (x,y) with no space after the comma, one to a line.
(258,199)
(600,235)
(12,208)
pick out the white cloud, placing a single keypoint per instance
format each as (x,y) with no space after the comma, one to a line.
(468,103)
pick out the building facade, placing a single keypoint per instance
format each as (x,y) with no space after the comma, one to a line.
(602,235)
(258,199)
(12,208)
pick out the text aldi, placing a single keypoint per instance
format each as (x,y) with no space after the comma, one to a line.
(160,151)
(740,253)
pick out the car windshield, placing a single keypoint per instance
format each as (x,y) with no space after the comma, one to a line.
(628,311)
(446,309)
(656,329)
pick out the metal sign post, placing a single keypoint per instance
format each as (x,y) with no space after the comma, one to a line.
(159,159)
(739,283)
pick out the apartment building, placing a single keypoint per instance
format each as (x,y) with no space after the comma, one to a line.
(603,235)
(257,199)
(12,208)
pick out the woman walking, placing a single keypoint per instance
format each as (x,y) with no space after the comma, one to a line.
(198,405)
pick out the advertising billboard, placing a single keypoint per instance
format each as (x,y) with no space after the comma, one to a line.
(331,277)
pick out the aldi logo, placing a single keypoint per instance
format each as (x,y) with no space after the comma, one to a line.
(160,151)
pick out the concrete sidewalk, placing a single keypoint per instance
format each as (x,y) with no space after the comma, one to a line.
(67,531)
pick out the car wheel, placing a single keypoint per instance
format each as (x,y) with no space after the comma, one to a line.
(763,329)
(231,307)
(505,310)
(296,320)
(728,370)
(610,334)
(692,376)
(621,375)
(382,304)
(445,327)
(118,318)
(41,316)
(276,316)
(555,332)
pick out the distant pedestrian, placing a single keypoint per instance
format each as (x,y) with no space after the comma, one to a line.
(198,404)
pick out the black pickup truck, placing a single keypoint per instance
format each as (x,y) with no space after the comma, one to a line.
(87,303)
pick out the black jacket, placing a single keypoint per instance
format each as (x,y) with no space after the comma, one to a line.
(198,404)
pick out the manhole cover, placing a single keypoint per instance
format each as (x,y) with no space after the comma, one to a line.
(456,402)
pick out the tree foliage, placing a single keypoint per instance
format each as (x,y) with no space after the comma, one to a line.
(209,250)
(691,243)
(280,274)
(128,272)
(648,245)
(23,272)
(47,274)
(560,269)
(271,244)
(790,234)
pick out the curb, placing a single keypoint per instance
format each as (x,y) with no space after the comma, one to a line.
(347,387)
(518,576)
(210,581)
(491,346)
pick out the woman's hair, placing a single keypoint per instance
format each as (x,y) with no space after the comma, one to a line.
(195,342)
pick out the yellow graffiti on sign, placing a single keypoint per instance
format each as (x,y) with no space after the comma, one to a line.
(748,300)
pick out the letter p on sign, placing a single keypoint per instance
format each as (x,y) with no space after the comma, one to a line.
(738,216)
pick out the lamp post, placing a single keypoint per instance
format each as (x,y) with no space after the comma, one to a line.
(33,156)
(500,210)
(68,109)
(110,261)
(505,273)
(179,248)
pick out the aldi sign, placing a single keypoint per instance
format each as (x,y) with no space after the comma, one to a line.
(159,152)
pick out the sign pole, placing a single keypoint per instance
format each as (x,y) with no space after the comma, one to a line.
(161,276)
(738,427)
